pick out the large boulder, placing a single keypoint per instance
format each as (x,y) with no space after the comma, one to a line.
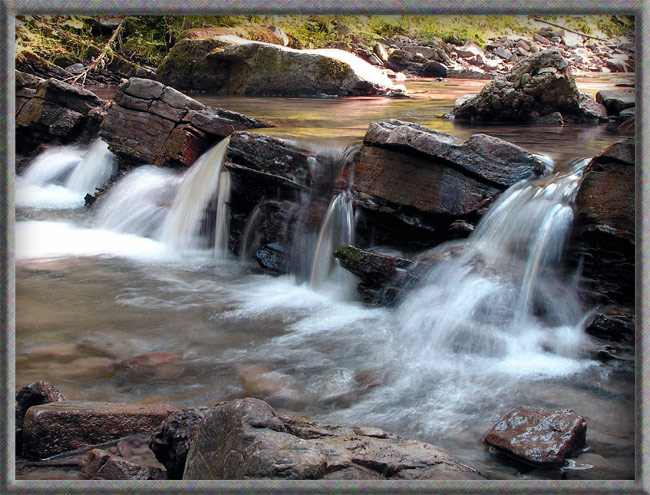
(604,231)
(34,394)
(247,439)
(407,176)
(52,111)
(539,436)
(538,85)
(236,66)
(153,123)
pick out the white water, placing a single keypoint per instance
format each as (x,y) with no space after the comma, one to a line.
(222,224)
(60,177)
(95,168)
(181,228)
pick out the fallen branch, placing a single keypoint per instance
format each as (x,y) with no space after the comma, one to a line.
(570,30)
(100,57)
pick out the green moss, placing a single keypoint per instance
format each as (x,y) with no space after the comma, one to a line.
(335,69)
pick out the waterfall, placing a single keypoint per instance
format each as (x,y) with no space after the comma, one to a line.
(250,237)
(222,224)
(182,226)
(138,202)
(336,230)
(501,292)
(94,169)
(51,166)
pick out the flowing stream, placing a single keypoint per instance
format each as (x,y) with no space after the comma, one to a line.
(495,322)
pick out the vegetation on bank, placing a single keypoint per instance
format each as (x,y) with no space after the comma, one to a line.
(65,40)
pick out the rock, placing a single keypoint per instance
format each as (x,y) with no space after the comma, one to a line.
(434,69)
(604,231)
(59,427)
(624,115)
(255,68)
(616,101)
(381,52)
(51,111)
(34,394)
(165,365)
(536,86)
(412,182)
(399,60)
(592,109)
(541,39)
(539,436)
(273,259)
(469,50)
(503,53)
(102,465)
(171,442)
(247,439)
(616,65)
(279,33)
(371,268)
(153,123)
(554,118)
(470,72)
(615,323)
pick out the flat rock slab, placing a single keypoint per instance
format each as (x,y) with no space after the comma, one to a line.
(59,427)
(102,465)
(616,101)
(247,439)
(538,435)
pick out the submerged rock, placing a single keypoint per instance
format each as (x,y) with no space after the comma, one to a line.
(536,86)
(59,427)
(171,442)
(539,436)
(409,177)
(604,232)
(247,439)
(52,111)
(153,123)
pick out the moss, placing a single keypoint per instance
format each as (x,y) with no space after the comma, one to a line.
(350,254)
(335,69)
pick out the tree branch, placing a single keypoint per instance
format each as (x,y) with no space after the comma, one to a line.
(570,30)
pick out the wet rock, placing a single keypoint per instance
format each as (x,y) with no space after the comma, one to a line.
(34,394)
(102,465)
(536,86)
(539,436)
(604,231)
(409,178)
(273,259)
(51,111)
(554,118)
(156,124)
(59,427)
(263,69)
(434,69)
(371,268)
(164,365)
(615,323)
(616,101)
(171,442)
(247,439)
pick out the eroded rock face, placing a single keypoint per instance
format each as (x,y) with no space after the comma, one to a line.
(156,124)
(410,176)
(539,436)
(247,439)
(171,442)
(538,85)
(604,232)
(59,427)
(52,111)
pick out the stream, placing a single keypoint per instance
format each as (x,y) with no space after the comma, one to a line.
(96,289)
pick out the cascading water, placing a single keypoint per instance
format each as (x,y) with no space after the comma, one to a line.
(95,168)
(60,177)
(181,228)
(222,225)
(500,292)
(139,201)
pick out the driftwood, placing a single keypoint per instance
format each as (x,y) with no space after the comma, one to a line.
(100,57)
(570,30)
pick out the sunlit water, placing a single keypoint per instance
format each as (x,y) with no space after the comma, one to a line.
(94,291)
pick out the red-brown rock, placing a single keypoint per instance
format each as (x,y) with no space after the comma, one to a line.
(102,465)
(60,427)
(539,436)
